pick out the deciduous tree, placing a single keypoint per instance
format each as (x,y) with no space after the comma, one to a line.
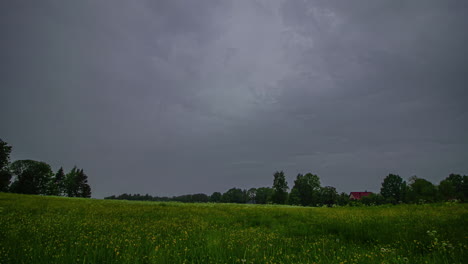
(234,195)
(215,197)
(308,189)
(454,187)
(373,199)
(294,197)
(280,187)
(422,190)
(263,195)
(251,194)
(393,188)
(31,177)
(343,199)
(328,195)
(5,175)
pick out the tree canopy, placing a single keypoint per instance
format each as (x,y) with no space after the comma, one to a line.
(422,190)
(454,186)
(31,177)
(306,190)
(280,187)
(393,188)
(37,177)
(5,175)
(76,184)
(263,195)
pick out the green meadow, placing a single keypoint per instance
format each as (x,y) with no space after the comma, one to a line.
(40,229)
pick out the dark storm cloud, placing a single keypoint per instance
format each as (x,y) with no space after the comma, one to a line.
(172,97)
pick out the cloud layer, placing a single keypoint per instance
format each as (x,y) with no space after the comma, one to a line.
(173,97)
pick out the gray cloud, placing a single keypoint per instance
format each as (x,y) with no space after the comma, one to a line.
(173,97)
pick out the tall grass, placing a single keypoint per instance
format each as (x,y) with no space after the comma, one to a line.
(37,229)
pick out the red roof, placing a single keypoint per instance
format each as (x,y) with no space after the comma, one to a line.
(358,195)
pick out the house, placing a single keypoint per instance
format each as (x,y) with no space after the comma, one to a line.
(358,195)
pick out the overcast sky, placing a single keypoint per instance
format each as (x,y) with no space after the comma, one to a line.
(175,97)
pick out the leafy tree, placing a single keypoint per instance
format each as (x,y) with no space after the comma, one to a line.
(234,195)
(32,177)
(5,175)
(328,195)
(5,178)
(465,188)
(251,193)
(263,195)
(447,190)
(308,189)
(343,199)
(294,197)
(373,199)
(280,187)
(454,187)
(393,188)
(215,197)
(200,198)
(422,190)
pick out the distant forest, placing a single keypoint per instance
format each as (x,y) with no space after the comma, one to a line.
(307,191)
(37,177)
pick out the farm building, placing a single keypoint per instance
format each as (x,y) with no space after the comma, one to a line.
(358,195)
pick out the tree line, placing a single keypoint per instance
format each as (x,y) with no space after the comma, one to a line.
(307,191)
(37,177)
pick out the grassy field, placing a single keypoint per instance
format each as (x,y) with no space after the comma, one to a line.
(37,229)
